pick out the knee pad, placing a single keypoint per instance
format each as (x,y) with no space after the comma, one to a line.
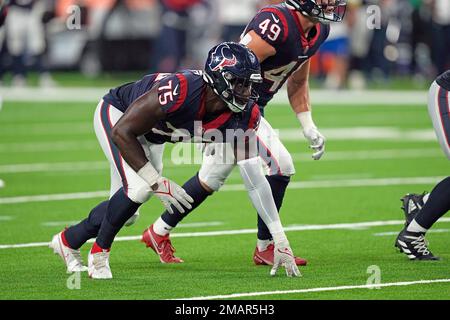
(139,194)
(284,166)
(214,176)
(287,165)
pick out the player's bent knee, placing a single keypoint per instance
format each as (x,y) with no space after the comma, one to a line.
(211,183)
(139,194)
(206,187)
(213,176)
(287,167)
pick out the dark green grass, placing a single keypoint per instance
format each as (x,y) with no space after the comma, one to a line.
(221,264)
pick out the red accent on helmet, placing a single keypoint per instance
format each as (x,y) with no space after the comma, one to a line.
(225,63)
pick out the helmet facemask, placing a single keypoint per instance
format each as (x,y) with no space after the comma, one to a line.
(325,13)
(239,91)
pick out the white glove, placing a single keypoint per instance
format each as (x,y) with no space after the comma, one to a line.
(316,141)
(283,256)
(171,193)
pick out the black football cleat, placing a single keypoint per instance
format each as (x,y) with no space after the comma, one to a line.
(414,245)
(412,203)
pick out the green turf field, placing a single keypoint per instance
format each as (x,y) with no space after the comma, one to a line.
(342,211)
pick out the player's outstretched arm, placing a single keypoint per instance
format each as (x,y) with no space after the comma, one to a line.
(298,93)
(260,194)
(138,120)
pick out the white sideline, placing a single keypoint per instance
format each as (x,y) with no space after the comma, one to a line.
(337,226)
(318,96)
(323,289)
(329,156)
(240,187)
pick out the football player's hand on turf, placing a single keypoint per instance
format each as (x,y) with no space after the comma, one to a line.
(171,193)
(283,256)
(316,141)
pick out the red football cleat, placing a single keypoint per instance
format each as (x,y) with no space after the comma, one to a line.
(266,257)
(161,245)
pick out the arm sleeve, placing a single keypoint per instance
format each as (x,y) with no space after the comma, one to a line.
(260,194)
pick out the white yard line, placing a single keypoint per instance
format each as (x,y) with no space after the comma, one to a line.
(313,227)
(240,187)
(364,133)
(394,233)
(76,145)
(322,289)
(286,134)
(55,197)
(181,225)
(6,218)
(329,156)
(2,183)
(327,97)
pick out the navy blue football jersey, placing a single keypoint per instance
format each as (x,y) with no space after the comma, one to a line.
(280,27)
(182,97)
(444,80)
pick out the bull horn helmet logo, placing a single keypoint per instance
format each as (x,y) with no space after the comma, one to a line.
(225,62)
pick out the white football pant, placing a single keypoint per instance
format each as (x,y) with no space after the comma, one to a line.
(276,159)
(439,110)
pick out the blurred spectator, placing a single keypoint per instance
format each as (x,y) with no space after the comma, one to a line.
(172,41)
(25,36)
(333,56)
(234,16)
(3,12)
(441,34)
(420,39)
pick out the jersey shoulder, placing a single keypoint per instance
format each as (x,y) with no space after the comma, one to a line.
(271,24)
(180,94)
(173,90)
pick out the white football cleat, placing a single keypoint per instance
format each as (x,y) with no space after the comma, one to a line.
(98,265)
(71,257)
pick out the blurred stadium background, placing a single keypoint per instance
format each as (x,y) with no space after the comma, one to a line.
(100,38)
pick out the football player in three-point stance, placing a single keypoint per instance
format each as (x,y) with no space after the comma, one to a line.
(423,210)
(132,123)
(284,37)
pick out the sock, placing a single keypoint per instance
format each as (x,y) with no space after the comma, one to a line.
(278,184)
(197,192)
(263,244)
(436,206)
(78,234)
(64,240)
(96,248)
(161,228)
(120,209)
(415,227)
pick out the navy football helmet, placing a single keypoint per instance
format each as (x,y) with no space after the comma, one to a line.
(334,11)
(231,70)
